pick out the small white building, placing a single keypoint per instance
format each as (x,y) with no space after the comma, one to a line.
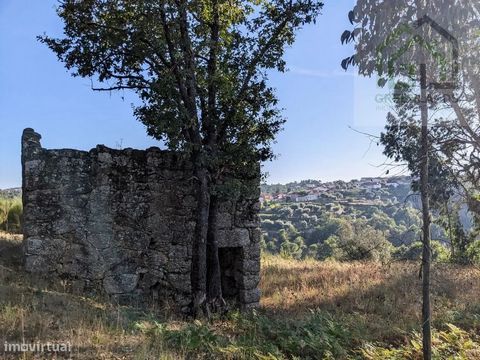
(371,185)
(309,197)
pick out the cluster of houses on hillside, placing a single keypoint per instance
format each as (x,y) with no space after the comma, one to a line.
(313,190)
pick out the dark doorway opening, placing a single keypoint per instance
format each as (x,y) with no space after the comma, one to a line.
(230,261)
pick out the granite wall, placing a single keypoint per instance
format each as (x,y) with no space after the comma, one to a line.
(121,222)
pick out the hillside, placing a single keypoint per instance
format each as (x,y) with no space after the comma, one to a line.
(373,218)
(11,193)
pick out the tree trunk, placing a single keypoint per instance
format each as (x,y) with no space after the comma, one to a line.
(199,250)
(214,281)
(426,255)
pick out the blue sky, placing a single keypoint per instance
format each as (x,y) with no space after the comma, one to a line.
(321,101)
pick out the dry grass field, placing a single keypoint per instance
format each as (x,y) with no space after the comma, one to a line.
(310,310)
(384,299)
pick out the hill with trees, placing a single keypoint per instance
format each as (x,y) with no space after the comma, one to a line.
(366,219)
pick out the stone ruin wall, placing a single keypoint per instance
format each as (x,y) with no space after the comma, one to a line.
(121,222)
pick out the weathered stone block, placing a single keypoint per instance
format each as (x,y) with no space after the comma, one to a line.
(251,266)
(250,296)
(33,246)
(249,282)
(251,251)
(180,282)
(37,264)
(255,235)
(225,220)
(120,283)
(237,237)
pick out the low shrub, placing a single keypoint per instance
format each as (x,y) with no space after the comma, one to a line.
(453,343)
(255,336)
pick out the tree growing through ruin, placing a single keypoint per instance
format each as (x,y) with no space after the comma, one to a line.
(200,70)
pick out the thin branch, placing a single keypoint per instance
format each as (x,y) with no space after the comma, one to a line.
(364,133)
